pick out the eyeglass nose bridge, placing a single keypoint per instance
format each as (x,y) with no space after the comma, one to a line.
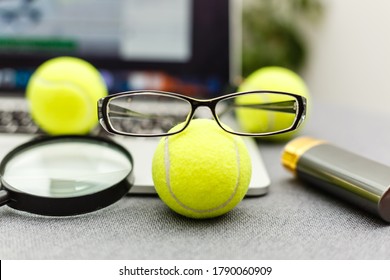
(199,104)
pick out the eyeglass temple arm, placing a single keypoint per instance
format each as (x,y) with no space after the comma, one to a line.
(122,111)
(282,107)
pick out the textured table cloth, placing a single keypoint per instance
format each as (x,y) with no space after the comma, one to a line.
(293,221)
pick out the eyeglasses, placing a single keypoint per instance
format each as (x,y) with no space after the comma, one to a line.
(155,113)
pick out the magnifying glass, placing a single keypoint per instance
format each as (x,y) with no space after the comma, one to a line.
(65,175)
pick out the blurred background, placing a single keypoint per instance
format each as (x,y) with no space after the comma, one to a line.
(349,57)
(341,48)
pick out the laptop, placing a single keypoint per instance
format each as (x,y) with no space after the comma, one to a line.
(190,47)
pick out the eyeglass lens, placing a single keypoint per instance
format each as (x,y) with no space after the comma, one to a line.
(147,113)
(151,113)
(258,112)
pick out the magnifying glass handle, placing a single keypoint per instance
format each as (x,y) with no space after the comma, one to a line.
(4,197)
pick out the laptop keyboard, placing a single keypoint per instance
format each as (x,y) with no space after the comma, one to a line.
(15,117)
(17,122)
(150,126)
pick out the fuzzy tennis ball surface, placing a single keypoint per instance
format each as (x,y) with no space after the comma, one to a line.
(62,95)
(202,172)
(277,79)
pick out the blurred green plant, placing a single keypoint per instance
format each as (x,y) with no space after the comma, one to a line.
(273,32)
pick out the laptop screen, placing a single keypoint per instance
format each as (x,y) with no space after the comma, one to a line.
(172,45)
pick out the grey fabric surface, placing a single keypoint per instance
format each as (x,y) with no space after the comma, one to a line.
(293,221)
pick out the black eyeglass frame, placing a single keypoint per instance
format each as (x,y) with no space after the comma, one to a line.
(195,103)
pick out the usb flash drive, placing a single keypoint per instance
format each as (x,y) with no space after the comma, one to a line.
(359,180)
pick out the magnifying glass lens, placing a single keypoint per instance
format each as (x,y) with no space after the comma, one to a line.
(66,168)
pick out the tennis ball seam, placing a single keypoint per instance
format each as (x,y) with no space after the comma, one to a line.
(85,97)
(199,211)
(69,84)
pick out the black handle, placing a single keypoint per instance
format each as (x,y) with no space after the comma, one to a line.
(4,197)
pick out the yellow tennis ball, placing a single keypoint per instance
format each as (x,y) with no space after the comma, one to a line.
(270,78)
(62,95)
(202,172)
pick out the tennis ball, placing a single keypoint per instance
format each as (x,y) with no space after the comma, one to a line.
(270,78)
(202,172)
(62,95)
